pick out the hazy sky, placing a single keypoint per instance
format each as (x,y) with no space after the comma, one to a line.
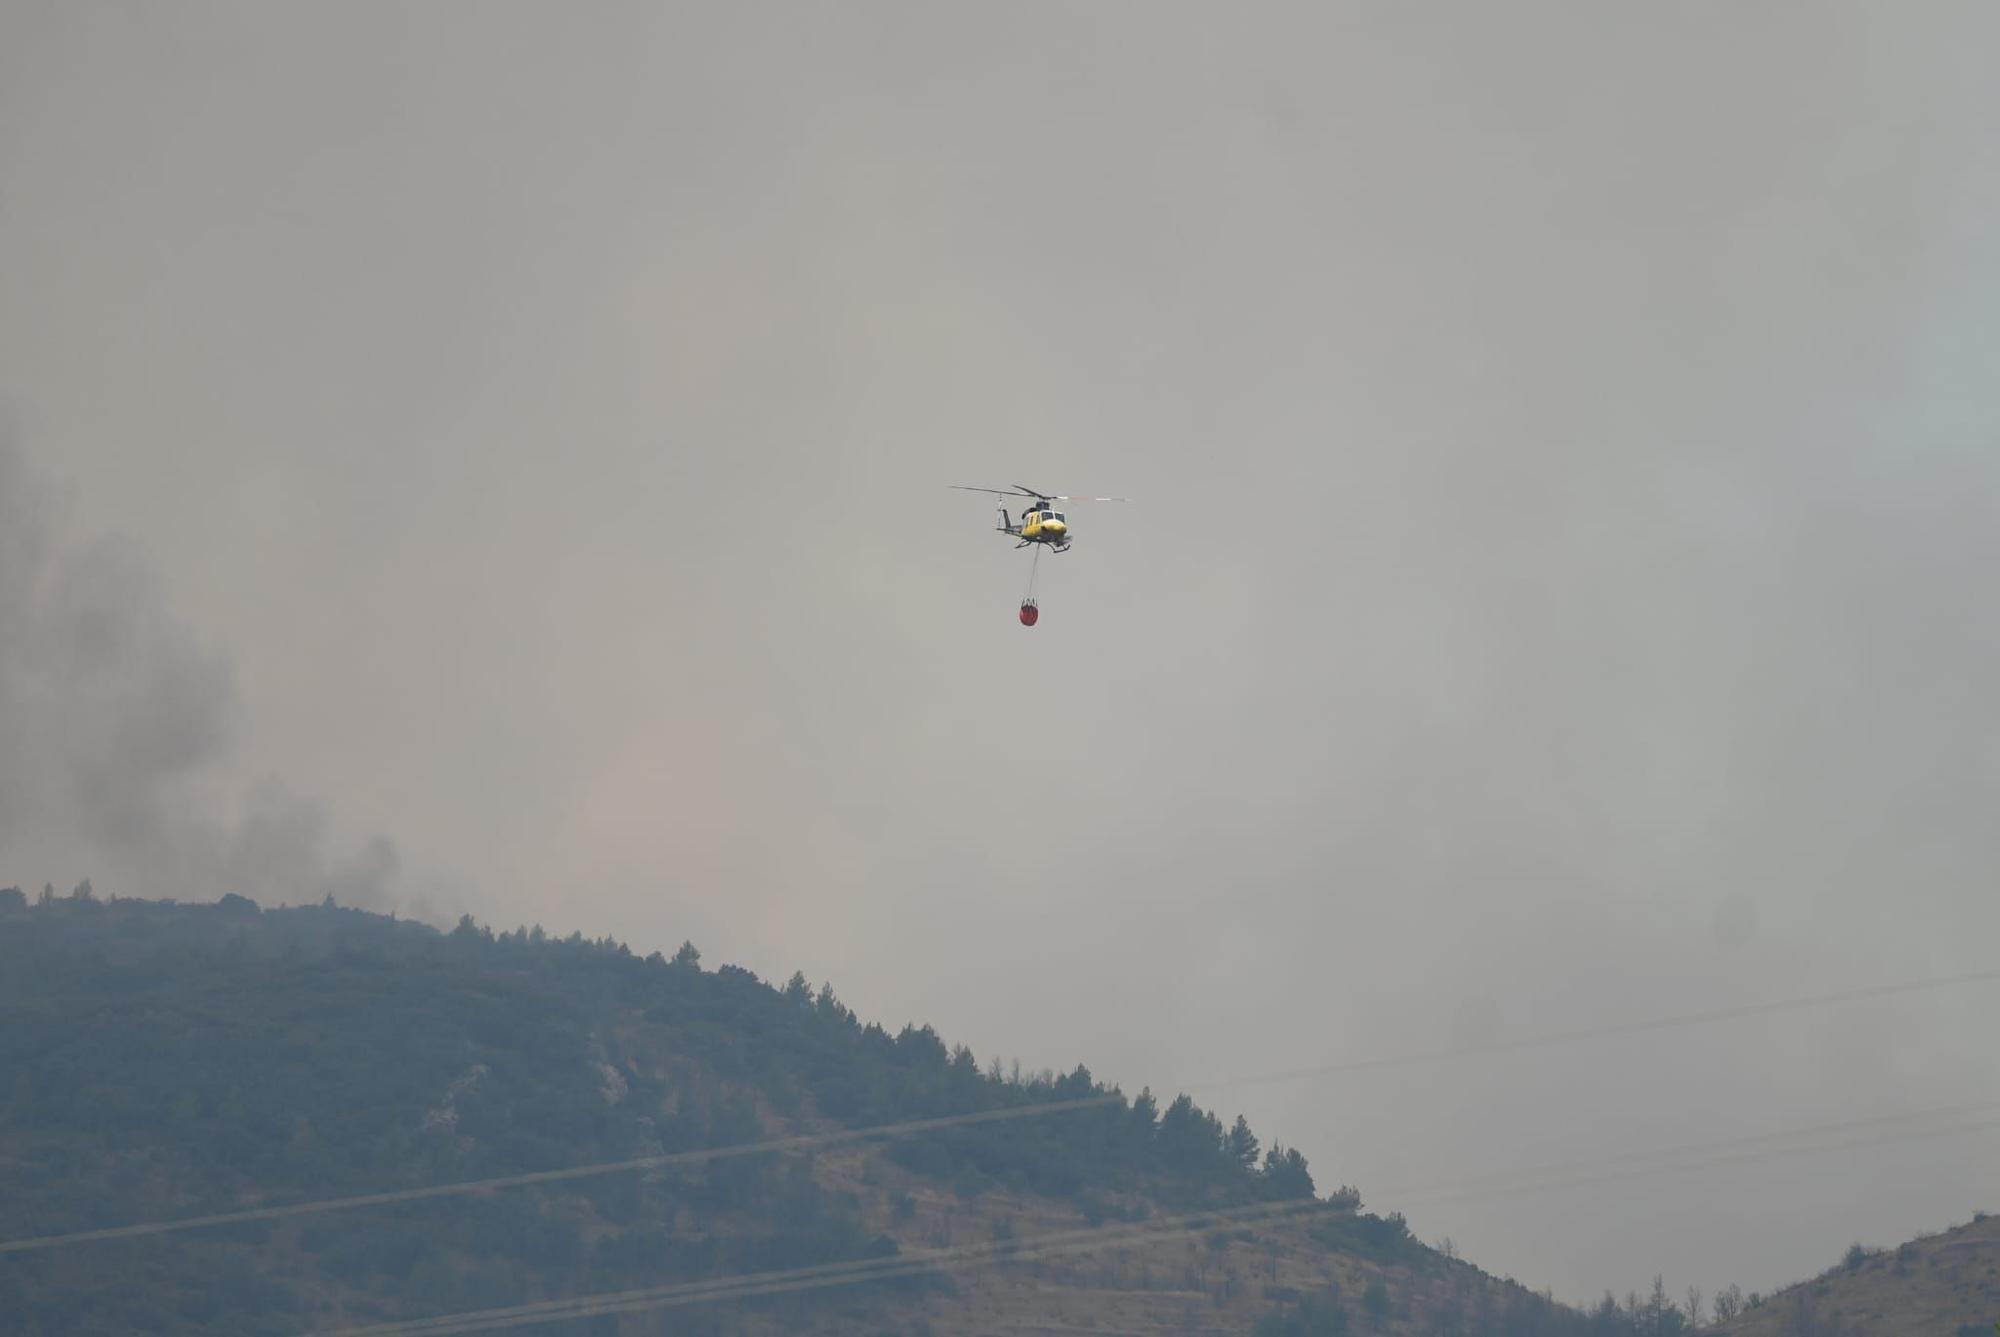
(493,456)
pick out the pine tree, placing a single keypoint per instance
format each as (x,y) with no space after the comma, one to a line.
(1243,1144)
(1285,1174)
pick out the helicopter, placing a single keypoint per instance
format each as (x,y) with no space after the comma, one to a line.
(1040,523)
(1041,526)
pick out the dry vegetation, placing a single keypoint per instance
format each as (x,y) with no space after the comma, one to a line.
(1177,1281)
(170,1061)
(1945,1285)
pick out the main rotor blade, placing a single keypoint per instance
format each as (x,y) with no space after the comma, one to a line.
(1029,492)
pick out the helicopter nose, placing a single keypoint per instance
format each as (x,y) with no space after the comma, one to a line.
(1055,526)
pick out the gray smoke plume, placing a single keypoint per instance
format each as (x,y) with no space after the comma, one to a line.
(116,730)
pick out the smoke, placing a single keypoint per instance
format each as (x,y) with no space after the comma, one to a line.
(1555,592)
(117,727)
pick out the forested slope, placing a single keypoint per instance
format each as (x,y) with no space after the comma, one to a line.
(168,1061)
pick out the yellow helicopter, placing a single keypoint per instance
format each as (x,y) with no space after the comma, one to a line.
(1041,523)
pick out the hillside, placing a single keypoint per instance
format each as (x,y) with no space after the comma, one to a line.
(170,1061)
(1944,1285)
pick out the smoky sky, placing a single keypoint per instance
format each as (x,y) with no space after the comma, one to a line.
(116,730)
(1556,590)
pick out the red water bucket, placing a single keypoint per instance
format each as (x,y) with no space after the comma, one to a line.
(1029,612)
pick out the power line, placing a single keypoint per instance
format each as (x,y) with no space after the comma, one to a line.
(1796,1142)
(816,1141)
(756,1285)
(782,1283)
(853,1272)
(1612,1031)
(1776,1140)
(802,1142)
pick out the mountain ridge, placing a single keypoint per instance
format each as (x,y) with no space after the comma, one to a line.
(1945,1284)
(473,1087)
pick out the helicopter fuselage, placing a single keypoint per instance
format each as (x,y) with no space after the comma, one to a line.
(1039,527)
